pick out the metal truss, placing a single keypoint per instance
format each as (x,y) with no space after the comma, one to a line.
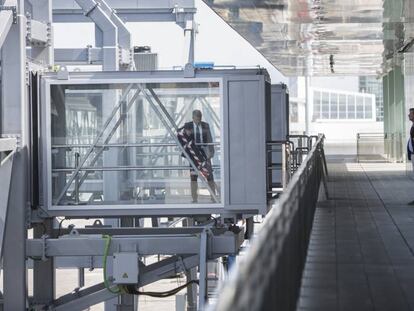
(90,296)
(196,245)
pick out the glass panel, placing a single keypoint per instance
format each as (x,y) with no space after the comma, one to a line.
(316,105)
(342,106)
(334,106)
(368,107)
(351,106)
(325,105)
(359,107)
(136,143)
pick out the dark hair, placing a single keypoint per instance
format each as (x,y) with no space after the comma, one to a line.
(411,110)
(197,113)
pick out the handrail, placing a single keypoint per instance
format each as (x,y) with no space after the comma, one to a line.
(270,275)
(284,166)
(371,147)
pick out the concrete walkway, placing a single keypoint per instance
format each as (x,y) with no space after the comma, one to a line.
(361,254)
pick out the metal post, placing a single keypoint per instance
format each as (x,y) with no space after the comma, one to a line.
(202,294)
(15,121)
(189,37)
(307,105)
(127,302)
(43,271)
(81,277)
(42,11)
(191,274)
(284,171)
(357,147)
(109,33)
(324,171)
(77,156)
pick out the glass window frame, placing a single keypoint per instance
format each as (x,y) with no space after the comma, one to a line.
(46,170)
(347,111)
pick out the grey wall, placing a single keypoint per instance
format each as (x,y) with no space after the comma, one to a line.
(247,143)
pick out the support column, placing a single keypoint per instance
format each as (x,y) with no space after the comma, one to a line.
(189,38)
(128,302)
(43,271)
(191,274)
(15,122)
(202,295)
(109,33)
(42,11)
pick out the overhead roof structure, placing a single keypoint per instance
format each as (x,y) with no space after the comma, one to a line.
(322,37)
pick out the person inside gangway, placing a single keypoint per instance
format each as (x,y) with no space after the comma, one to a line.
(410,143)
(195,137)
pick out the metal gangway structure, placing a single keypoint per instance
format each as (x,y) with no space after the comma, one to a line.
(109,147)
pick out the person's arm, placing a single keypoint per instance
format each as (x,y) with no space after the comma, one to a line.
(209,140)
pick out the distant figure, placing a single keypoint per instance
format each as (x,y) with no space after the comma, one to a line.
(196,138)
(410,144)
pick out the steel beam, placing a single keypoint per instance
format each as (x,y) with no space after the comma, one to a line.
(124,36)
(227,243)
(43,271)
(138,230)
(189,38)
(15,121)
(202,293)
(87,56)
(109,30)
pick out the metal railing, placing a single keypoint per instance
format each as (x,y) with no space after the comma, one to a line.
(284,159)
(269,276)
(371,147)
(279,154)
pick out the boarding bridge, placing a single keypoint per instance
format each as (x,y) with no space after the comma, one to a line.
(109,143)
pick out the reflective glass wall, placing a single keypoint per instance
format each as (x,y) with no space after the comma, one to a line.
(138,143)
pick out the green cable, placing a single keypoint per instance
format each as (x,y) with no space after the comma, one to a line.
(116,289)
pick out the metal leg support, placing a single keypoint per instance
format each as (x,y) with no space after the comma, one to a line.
(15,120)
(191,274)
(202,295)
(43,271)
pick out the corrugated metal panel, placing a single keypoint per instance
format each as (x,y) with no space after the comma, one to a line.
(146,61)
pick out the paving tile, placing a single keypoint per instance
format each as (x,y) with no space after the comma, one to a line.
(361,254)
